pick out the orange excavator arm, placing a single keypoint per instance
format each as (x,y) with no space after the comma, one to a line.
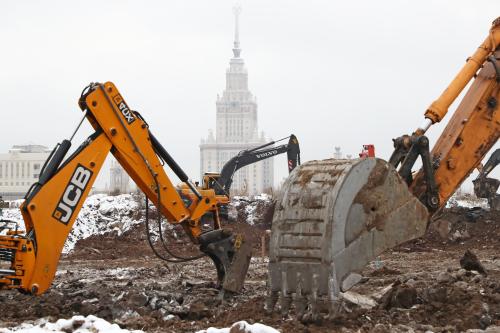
(472,131)
(52,205)
(334,216)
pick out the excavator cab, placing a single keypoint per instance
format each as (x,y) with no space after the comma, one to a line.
(368,151)
(210,179)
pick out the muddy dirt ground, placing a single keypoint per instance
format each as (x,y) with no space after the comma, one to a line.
(419,286)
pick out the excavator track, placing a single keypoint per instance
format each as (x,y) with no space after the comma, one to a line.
(332,218)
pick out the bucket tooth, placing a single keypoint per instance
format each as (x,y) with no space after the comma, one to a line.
(313,299)
(271,300)
(333,299)
(332,218)
(300,301)
(286,302)
(286,297)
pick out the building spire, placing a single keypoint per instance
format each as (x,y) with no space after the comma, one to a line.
(236,48)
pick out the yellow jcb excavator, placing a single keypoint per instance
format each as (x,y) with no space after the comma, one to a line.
(334,216)
(52,204)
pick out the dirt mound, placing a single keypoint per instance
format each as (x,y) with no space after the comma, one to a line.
(257,211)
(418,286)
(454,299)
(141,293)
(132,244)
(251,217)
(474,228)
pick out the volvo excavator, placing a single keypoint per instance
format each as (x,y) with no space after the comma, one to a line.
(28,259)
(221,182)
(333,217)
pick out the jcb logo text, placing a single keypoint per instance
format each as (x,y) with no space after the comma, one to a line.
(72,194)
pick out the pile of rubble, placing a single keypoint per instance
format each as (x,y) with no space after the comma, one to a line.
(101,214)
(136,294)
(457,298)
(439,283)
(257,210)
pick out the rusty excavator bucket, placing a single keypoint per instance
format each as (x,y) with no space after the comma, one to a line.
(331,219)
(231,254)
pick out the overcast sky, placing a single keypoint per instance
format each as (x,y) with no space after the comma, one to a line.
(335,73)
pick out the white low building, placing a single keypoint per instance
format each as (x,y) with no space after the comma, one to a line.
(20,168)
(119,179)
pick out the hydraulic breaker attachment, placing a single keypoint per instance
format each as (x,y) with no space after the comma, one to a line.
(332,218)
(231,254)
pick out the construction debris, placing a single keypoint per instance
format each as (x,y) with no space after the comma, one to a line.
(417,286)
(470,262)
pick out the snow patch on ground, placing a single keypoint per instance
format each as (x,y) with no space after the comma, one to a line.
(13,214)
(100,214)
(77,324)
(241,327)
(467,201)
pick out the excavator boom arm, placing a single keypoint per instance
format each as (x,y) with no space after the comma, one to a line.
(333,217)
(438,109)
(52,205)
(474,128)
(247,157)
